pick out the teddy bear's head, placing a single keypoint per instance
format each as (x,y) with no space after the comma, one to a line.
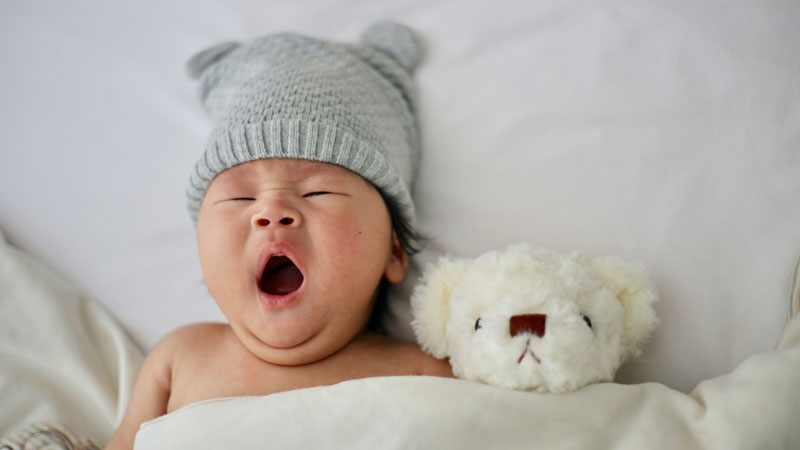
(534,319)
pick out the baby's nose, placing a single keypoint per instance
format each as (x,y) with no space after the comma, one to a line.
(263,222)
(527,323)
(276,214)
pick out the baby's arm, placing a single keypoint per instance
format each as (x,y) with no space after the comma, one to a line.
(150,394)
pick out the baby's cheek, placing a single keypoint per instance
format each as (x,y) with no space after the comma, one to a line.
(360,240)
(222,261)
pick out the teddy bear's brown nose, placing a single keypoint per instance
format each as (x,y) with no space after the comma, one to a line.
(527,323)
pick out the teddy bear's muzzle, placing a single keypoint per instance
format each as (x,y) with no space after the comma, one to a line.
(527,323)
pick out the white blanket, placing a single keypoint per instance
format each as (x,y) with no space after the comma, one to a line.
(757,406)
(63,359)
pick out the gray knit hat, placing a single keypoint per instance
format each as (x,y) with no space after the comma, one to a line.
(290,96)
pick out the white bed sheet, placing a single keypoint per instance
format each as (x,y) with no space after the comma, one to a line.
(63,359)
(666,132)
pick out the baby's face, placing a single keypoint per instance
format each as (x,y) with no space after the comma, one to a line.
(293,252)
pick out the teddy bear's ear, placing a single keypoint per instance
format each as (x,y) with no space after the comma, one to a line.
(430,303)
(635,292)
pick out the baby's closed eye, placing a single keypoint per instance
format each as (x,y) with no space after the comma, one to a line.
(227,199)
(316,194)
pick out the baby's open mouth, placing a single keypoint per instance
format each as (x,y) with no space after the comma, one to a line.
(281,276)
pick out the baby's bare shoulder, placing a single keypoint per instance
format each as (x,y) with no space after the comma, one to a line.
(189,339)
(155,391)
(428,365)
(406,358)
(200,330)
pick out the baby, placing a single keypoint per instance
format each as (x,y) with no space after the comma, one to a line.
(303,214)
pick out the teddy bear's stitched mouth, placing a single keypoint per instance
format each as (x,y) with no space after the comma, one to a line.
(528,351)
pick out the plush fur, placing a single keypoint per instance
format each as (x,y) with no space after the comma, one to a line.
(462,310)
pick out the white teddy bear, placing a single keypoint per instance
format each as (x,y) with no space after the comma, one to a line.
(534,319)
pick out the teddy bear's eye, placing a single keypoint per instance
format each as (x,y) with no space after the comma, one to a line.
(587,320)
(478,324)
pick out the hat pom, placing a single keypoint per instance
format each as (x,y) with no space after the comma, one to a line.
(395,40)
(206,58)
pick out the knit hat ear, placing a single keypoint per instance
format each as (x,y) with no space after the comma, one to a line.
(396,41)
(204,59)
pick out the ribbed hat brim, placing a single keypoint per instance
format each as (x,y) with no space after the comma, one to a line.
(296,139)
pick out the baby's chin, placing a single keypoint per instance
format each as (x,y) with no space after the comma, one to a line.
(298,350)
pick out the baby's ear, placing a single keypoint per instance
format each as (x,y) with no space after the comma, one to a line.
(397,266)
(637,295)
(430,303)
